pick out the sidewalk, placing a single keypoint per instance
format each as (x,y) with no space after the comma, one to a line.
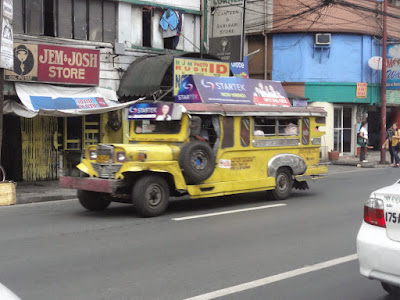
(373,157)
(41,191)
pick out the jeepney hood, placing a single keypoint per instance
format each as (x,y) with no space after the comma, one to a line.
(153,152)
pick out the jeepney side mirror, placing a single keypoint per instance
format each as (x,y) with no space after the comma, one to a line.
(195,126)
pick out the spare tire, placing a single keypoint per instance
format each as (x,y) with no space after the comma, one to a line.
(196,161)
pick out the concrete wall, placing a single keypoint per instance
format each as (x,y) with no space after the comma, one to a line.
(295,58)
(327,139)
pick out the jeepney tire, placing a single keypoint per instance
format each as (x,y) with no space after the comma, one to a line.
(93,201)
(197,161)
(150,196)
(284,184)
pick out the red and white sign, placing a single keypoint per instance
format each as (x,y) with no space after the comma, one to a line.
(55,64)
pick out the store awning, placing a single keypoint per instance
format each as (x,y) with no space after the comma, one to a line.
(58,101)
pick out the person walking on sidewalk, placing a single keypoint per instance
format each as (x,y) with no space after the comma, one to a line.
(390,133)
(396,147)
(363,140)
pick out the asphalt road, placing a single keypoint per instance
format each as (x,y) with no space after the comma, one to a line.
(300,248)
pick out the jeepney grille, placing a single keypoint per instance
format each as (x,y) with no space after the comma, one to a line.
(106,170)
(105,150)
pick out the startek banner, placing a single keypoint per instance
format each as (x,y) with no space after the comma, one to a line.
(55,64)
(184,67)
(232,90)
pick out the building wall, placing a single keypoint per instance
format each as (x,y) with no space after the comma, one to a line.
(335,18)
(346,60)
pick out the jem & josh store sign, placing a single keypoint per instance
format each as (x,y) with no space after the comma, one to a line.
(55,64)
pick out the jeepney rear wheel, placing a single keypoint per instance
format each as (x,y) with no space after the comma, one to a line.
(284,184)
(93,201)
(150,196)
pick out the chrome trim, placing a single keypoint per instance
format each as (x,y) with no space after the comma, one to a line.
(295,162)
(106,170)
(275,142)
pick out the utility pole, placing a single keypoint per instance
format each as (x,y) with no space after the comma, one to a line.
(383,84)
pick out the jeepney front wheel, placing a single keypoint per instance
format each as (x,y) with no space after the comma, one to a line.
(284,184)
(93,201)
(150,196)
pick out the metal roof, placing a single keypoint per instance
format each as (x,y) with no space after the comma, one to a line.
(252,110)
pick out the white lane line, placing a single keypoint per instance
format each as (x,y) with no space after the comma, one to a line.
(274,278)
(227,212)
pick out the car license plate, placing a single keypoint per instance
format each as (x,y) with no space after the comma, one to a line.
(103,158)
(392,216)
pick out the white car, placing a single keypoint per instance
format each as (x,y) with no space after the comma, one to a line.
(378,240)
(6,294)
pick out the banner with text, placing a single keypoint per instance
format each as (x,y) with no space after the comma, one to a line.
(393,67)
(55,64)
(232,90)
(361,90)
(184,67)
(6,46)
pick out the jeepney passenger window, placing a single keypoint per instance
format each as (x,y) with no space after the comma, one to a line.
(227,139)
(288,126)
(157,127)
(264,126)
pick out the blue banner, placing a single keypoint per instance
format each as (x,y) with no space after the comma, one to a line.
(393,67)
(232,90)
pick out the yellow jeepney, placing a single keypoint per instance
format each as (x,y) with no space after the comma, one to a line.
(204,150)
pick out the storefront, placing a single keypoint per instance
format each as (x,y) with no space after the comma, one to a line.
(54,109)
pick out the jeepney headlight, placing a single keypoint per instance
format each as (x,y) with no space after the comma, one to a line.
(92,154)
(120,157)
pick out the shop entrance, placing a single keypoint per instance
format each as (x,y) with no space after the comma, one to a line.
(342,138)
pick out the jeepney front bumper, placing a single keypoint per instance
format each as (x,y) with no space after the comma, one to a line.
(100,185)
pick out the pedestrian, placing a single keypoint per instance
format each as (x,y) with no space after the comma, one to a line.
(363,140)
(389,142)
(396,147)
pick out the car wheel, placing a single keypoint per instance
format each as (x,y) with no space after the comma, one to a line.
(93,201)
(391,289)
(197,161)
(150,195)
(284,184)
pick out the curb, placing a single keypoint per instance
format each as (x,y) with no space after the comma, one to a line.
(26,199)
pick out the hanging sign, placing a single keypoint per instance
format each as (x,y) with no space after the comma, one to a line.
(362,88)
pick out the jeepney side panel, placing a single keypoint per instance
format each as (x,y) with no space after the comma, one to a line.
(245,166)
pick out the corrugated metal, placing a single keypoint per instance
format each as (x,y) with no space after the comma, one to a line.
(39,155)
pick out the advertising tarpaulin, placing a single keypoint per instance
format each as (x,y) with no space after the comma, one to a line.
(54,100)
(184,67)
(232,90)
(393,67)
(240,69)
(6,45)
(55,64)
(160,111)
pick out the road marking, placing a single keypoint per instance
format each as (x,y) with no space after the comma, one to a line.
(274,278)
(227,212)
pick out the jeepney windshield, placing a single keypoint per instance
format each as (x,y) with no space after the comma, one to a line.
(157,127)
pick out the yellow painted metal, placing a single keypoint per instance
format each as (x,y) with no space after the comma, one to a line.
(246,169)
(39,156)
